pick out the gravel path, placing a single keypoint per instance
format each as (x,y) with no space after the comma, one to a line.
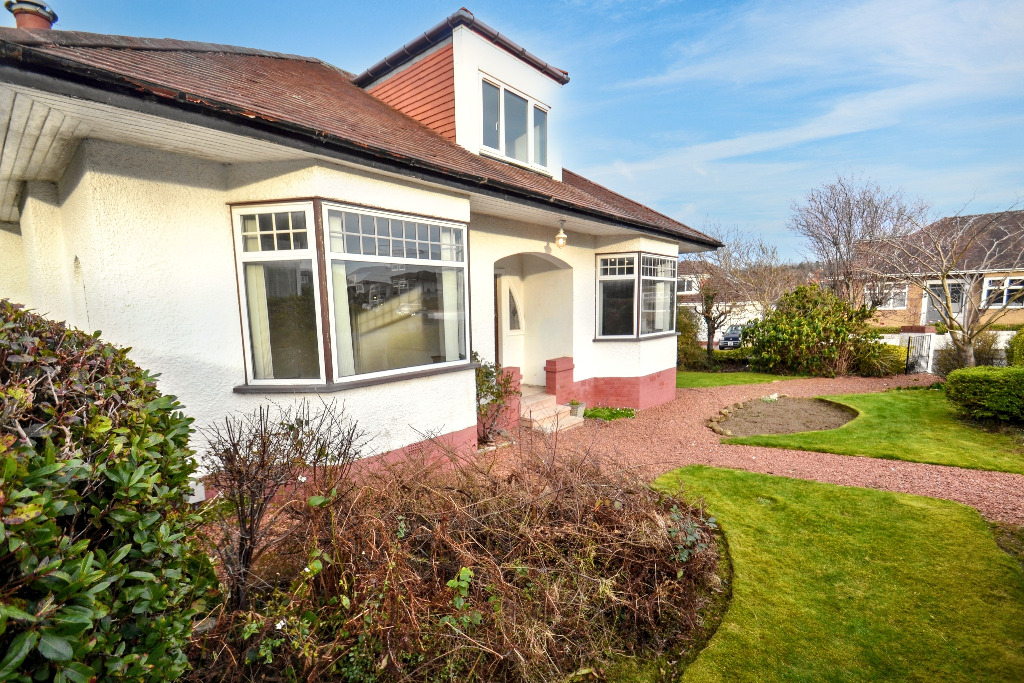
(673,435)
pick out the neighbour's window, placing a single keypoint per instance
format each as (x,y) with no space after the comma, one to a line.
(635,301)
(886,295)
(396,292)
(514,125)
(280,293)
(1003,292)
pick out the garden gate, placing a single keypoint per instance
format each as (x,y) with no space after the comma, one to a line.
(919,351)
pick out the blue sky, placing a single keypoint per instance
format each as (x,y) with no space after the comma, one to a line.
(722,112)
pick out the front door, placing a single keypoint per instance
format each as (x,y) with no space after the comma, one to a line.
(956,294)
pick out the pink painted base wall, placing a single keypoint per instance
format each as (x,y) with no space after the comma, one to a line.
(618,392)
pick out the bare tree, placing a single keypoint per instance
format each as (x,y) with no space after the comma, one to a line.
(745,275)
(838,218)
(951,261)
(260,464)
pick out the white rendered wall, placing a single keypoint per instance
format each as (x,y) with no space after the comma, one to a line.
(473,56)
(13,273)
(492,239)
(152,232)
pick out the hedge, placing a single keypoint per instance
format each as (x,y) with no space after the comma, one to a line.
(1015,350)
(988,393)
(100,580)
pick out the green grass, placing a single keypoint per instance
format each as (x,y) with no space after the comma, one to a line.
(608,414)
(835,583)
(691,380)
(917,425)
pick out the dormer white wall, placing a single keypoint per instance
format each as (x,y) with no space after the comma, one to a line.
(474,57)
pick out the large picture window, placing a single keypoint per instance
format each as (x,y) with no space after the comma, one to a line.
(514,125)
(395,293)
(635,295)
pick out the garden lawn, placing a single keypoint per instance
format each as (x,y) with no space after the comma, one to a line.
(691,380)
(836,583)
(917,426)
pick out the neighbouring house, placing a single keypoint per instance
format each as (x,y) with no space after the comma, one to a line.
(729,305)
(261,226)
(988,277)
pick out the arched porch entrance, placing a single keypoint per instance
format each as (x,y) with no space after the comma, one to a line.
(533,312)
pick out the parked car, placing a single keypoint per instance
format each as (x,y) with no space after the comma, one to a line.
(732,338)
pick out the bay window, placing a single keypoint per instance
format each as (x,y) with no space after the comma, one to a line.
(1003,292)
(395,294)
(514,125)
(636,295)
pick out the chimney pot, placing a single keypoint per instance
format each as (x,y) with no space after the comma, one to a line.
(31,14)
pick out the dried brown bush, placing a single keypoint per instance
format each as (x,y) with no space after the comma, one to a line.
(454,569)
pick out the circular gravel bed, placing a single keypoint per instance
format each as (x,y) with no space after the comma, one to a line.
(674,434)
(785,415)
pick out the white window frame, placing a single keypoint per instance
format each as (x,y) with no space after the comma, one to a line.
(634,277)
(673,278)
(530,104)
(243,257)
(330,255)
(889,289)
(1001,284)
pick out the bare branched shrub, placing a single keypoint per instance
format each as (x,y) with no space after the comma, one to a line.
(259,464)
(452,569)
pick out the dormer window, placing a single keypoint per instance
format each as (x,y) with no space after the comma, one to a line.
(514,125)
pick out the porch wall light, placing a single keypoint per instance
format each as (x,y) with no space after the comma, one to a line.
(561,238)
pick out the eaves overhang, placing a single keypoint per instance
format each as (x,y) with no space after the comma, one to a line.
(47,72)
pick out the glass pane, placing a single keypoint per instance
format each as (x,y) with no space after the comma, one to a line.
(281,222)
(282,320)
(298,220)
(366,225)
(422,232)
(400,319)
(351,222)
(249,223)
(352,244)
(251,243)
(515,127)
(435,233)
(540,136)
(266,222)
(267,242)
(284,241)
(383,247)
(299,240)
(616,306)
(410,230)
(513,313)
(656,309)
(383,227)
(491,115)
(369,246)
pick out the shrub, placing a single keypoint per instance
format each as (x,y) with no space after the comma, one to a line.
(493,392)
(1015,351)
(881,360)
(100,580)
(948,358)
(987,393)
(731,360)
(812,332)
(252,459)
(1006,327)
(458,569)
(690,354)
(941,328)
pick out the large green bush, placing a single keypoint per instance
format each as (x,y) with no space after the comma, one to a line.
(97,572)
(814,332)
(988,393)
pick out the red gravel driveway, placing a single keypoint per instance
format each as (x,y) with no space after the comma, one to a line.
(674,434)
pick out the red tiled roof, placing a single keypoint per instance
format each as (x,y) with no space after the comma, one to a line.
(312,99)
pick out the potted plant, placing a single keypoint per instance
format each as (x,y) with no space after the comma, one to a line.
(576,408)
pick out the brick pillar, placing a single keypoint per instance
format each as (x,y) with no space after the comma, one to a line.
(559,377)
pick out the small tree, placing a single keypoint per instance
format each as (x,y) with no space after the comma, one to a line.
(743,276)
(836,221)
(949,261)
(255,460)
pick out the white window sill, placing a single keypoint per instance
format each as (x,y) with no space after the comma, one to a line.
(498,156)
(355,383)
